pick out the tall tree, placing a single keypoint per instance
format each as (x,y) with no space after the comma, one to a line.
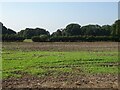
(72,30)
(116,28)
(57,33)
(92,30)
(30,32)
(107,30)
(7,31)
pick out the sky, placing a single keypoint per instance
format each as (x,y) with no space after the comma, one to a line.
(56,15)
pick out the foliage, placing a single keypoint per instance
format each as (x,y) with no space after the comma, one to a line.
(57,33)
(71,33)
(7,31)
(107,30)
(89,30)
(72,30)
(116,28)
(12,38)
(28,33)
(83,38)
(42,38)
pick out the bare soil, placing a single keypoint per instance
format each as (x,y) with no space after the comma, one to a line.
(62,46)
(63,81)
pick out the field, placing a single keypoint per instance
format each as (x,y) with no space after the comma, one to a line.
(60,65)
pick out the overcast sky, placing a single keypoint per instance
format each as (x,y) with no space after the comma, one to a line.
(55,15)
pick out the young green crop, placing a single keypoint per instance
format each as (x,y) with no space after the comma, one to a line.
(41,63)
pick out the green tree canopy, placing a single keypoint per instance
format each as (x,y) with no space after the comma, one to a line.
(72,30)
(7,31)
(106,30)
(116,28)
(29,32)
(57,33)
(92,30)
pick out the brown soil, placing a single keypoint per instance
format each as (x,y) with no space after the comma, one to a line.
(63,81)
(62,46)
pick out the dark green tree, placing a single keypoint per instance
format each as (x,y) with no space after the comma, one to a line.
(92,30)
(72,30)
(28,33)
(7,31)
(41,38)
(106,30)
(116,28)
(57,33)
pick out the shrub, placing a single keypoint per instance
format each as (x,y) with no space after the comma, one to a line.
(12,38)
(83,38)
(42,38)
(74,38)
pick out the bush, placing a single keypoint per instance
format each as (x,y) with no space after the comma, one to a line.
(42,38)
(74,38)
(83,38)
(12,38)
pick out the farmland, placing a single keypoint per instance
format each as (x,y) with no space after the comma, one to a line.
(60,64)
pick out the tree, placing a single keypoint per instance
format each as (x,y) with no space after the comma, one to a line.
(106,30)
(116,28)
(9,35)
(12,38)
(72,30)
(92,30)
(28,33)
(7,31)
(57,33)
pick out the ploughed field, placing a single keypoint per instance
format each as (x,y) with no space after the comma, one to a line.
(60,65)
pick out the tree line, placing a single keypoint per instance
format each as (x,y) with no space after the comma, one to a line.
(71,33)
(9,35)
